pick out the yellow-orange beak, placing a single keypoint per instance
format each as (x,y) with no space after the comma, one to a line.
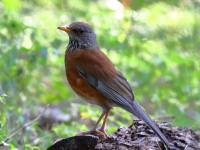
(64,28)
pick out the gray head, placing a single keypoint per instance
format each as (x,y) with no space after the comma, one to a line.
(81,36)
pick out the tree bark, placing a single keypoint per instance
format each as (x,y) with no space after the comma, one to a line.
(136,137)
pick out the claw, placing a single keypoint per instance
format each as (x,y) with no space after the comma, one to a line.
(100,134)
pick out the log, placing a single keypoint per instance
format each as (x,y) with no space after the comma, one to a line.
(138,136)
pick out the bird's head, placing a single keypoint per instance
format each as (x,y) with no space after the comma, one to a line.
(81,36)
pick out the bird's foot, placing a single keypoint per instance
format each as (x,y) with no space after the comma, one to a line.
(102,131)
(100,134)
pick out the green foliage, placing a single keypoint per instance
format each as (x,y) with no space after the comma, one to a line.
(154,43)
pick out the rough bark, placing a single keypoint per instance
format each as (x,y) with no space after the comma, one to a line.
(137,137)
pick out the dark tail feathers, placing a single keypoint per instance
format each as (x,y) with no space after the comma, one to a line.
(140,113)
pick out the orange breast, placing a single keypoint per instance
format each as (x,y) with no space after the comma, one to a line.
(79,85)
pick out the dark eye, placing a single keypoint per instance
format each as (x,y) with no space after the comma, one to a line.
(80,30)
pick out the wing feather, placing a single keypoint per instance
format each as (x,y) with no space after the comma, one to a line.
(110,90)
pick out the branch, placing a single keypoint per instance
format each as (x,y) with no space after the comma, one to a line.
(23,127)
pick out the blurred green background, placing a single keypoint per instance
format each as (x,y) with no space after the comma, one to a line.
(156,44)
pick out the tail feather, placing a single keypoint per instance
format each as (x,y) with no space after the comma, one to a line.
(140,113)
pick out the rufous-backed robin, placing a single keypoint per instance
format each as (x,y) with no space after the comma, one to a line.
(94,77)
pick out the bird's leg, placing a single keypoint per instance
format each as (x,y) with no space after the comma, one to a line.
(102,129)
(94,129)
(100,118)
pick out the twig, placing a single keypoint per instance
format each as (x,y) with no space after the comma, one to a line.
(23,127)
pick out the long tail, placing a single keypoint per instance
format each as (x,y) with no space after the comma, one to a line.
(140,113)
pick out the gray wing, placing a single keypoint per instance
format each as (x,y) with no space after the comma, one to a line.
(116,90)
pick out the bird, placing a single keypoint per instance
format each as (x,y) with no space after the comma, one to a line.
(93,76)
